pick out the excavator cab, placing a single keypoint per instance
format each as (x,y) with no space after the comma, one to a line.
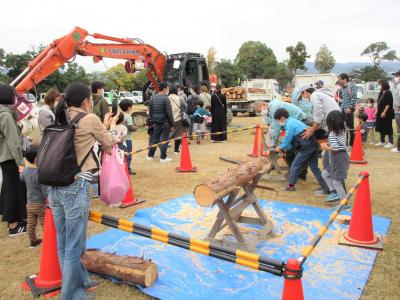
(183,69)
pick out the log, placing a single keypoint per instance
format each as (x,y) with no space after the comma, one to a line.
(207,193)
(125,268)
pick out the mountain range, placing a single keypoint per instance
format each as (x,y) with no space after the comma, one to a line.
(388,66)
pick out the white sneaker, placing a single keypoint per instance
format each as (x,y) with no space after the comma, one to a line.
(167,159)
(176,153)
(395,150)
(149,158)
(388,145)
(379,144)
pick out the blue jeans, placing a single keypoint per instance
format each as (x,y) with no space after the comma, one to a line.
(70,207)
(307,153)
(160,134)
(129,157)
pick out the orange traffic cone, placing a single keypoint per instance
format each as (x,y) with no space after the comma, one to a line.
(361,231)
(258,143)
(292,286)
(48,281)
(186,163)
(129,199)
(357,156)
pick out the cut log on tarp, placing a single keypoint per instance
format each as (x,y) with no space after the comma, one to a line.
(125,268)
(207,193)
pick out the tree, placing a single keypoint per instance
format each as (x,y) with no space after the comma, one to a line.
(370,73)
(283,74)
(228,73)
(211,55)
(118,78)
(379,52)
(324,61)
(297,57)
(139,80)
(255,59)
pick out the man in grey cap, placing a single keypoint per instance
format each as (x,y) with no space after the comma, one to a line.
(304,103)
(319,84)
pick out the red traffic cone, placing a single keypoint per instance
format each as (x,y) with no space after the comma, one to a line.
(186,163)
(357,156)
(361,231)
(48,281)
(129,199)
(292,286)
(257,144)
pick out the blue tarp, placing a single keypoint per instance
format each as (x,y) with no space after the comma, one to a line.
(332,271)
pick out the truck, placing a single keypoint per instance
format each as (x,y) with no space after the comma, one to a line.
(329,80)
(251,91)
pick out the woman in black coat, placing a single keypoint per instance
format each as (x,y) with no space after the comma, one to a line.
(218,112)
(385,114)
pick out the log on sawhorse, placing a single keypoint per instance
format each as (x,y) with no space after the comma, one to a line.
(224,192)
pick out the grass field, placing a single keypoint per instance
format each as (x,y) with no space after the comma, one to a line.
(159,182)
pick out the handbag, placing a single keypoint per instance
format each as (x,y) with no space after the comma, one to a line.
(184,116)
(114,181)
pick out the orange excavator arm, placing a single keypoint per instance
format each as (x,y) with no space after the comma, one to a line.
(64,49)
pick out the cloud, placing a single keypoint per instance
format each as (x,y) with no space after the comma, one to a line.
(346,27)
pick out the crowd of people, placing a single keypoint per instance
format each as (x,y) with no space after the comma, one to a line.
(315,120)
(172,113)
(318,122)
(23,198)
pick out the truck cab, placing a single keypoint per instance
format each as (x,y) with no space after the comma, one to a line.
(183,69)
(255,90)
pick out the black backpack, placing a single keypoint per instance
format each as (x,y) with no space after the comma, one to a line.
(57,161)
(192,104)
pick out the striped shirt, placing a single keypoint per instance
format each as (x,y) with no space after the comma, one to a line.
(337,141)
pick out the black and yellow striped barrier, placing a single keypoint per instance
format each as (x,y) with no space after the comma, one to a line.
(189,137)
(236,256)
(306,252)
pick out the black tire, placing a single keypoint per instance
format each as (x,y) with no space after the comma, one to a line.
(235,114)
(252,114)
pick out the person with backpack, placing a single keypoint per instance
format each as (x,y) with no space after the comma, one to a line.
(100,104)
(71,154)
(193,99)
(178,106)
(12,195)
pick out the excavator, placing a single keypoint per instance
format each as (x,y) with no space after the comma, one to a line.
(184,69)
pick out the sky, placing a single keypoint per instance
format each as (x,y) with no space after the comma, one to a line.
(173,26)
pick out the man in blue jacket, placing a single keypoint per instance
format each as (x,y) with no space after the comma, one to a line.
(160,112)
(306,149)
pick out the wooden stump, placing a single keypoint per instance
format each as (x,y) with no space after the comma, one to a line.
(125,268)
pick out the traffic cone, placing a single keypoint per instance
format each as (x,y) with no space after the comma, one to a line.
(186,163)
(361,231)
(257,144)
(357,156)
(129,199)
(48,281)
(292,286)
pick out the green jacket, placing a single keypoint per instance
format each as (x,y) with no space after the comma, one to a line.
(100,106)
(10,143)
